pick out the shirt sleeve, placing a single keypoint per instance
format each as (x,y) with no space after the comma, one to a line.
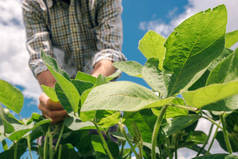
(37,35)
(109,31)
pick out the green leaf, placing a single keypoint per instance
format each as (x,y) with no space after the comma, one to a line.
(231,38)
(176,124)
(68,88)
(81,85)
(85,77)
(217,156)
(210,94)
(131,68)
(172,111)
(156,79)
(97,145)
(226,52)
(232,122)
(48,60)
(225,71)
(144,121)
(75,124)
(196,137)
(233,137)
(23,130)
(122,96)
(114,76)
(152,46)
(190,52)
(11,97)
(100,80)
(63,99)
(50,92)
(110,120)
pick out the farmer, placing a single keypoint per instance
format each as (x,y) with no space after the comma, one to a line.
(82,35)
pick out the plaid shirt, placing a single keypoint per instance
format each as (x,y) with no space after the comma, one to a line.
(77,35)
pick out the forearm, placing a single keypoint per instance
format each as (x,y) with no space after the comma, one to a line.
(103,67)
(46,78)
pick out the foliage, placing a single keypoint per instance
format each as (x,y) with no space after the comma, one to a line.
(191,75)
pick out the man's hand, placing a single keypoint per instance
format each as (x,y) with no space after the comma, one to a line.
(103,67)
(50,109)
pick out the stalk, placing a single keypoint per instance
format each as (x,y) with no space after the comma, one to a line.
(193,109)
(60,136)
(60,151)
(103,141)
(205,143)
(45,144)
(213,139)
(128,140)
(15,151)
(29,145)
(122,148)
(226,137)
(156,131)
(51,150)
(212,121)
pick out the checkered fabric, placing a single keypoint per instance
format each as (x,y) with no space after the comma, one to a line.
(83,31)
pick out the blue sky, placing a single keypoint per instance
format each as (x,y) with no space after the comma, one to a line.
(138,17)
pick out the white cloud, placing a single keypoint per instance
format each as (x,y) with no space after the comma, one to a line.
(193,7)
(14,57)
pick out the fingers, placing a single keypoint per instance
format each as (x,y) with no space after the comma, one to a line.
(51,109)
(49,104)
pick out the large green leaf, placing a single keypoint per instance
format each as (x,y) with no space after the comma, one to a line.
(231,38)
(68,88)
(225,71)
(75,124)
(210,94)
(11,97)
(131,68)
(155,78)
(193,45)
(172,111)
(226,52)
(48,60)
(81,85)
(176,124)
(122,96)
(85,77)
(217,156)
(152,45)
(50,92)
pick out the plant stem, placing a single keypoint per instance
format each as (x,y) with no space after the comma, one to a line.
(51,150)
(205,143)
(103,141)
(213,139)
(186,107)
(212,121)
(45,144)
(226,137)
(60,151)
(122,148)
(128,140)
(15,151)
(29,145)
(156,131)
(60,136)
